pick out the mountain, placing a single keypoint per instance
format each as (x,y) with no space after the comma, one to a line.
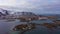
(4,12)
(25,13)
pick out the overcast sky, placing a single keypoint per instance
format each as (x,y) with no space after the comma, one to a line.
(37,6)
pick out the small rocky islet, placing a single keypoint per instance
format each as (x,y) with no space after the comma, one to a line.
(24,27)
(30,26)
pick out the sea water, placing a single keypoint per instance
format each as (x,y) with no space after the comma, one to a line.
(6,27)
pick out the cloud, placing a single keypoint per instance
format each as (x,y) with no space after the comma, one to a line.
(7,2)
(42,6)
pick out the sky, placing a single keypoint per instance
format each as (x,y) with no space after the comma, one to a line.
(37,6)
